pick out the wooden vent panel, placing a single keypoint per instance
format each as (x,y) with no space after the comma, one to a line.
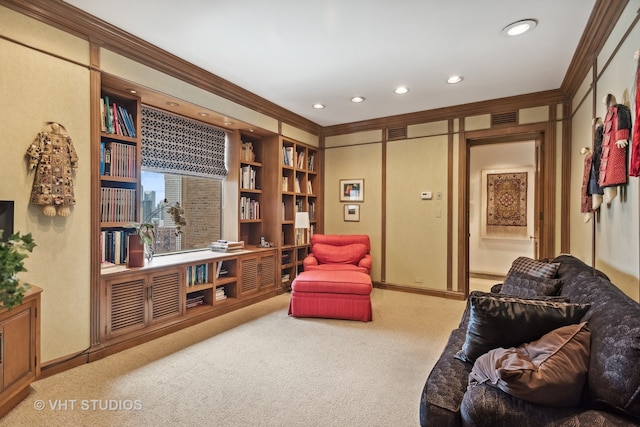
(397,133)
(249,275)
(127,304)
(166,295)
(267,272)
(510,118)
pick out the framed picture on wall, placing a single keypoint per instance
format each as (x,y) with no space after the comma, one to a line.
(352,213)
(352,190)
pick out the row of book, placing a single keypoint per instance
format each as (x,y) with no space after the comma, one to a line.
(118,204)
(117,159)
(116,119)
(248,178)
(249,208)
(290,157)
(220,294)
(226,246)
(197,274)
(114,245)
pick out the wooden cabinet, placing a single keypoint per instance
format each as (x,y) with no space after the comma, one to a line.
(177,290)
(19,349)
(140,300)
(258,273)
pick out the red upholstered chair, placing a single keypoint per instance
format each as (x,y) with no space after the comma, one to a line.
(339,252)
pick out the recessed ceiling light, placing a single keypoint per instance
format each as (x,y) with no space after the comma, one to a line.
(519,27)
(358,99)
(172,104)
(318,106)
(454,79)
(203,114)
(402,89)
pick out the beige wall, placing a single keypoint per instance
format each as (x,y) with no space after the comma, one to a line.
(38,88)
(617,232)
(417,229)
(355,162)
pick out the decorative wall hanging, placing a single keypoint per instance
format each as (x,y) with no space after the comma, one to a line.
(352,190)
(505,203)
(54,158)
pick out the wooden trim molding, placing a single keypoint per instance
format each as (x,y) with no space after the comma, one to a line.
(603,18)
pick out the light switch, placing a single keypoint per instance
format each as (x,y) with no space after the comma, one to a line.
(426,195)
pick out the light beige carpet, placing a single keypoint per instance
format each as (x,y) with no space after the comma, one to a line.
(259,367)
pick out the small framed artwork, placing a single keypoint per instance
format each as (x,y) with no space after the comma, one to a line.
(352,213)
(352,190)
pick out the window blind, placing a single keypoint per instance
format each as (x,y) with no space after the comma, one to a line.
(182,146)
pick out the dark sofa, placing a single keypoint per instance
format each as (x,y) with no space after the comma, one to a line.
(611,394)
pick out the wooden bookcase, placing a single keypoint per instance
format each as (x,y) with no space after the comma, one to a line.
(134,305)
(119,171)
(299,184)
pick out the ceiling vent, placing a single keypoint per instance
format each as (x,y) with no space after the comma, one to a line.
(396,133)
(510,118)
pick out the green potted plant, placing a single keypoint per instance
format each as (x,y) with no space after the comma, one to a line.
(12,255)
(145,232)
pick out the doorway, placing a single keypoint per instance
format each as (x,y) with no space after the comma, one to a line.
(510,166)
(541,236)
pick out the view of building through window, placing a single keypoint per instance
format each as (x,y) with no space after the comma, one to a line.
(201,199)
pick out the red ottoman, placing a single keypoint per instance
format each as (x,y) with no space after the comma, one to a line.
(331,294)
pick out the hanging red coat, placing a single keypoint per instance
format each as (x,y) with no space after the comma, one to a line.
(613,165)
(634,168)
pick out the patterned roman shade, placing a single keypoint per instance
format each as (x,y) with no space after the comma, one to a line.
(178,145)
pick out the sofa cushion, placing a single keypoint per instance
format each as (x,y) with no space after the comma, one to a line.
(534,267)
(347,254)
(526,286)
(504,321)
(549,371)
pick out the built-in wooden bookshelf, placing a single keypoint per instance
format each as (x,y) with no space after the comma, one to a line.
(299,190)
(119,171)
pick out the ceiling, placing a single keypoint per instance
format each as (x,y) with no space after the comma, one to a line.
(296,54)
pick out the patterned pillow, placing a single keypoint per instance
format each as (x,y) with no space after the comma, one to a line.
(550,371)
(504,321)
(533,267)
(527,286)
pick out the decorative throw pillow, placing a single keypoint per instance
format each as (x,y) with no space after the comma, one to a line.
(527,286)
(346,254)
(504,321)
(550,371)
(533,267)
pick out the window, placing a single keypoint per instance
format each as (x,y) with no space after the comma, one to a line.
(182,161)
(201,199)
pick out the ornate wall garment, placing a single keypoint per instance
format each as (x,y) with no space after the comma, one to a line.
(54,158)
(585,196)
(634,168)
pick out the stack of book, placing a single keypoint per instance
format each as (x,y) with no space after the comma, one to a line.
(220,295)
(195,299)
(226,246)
